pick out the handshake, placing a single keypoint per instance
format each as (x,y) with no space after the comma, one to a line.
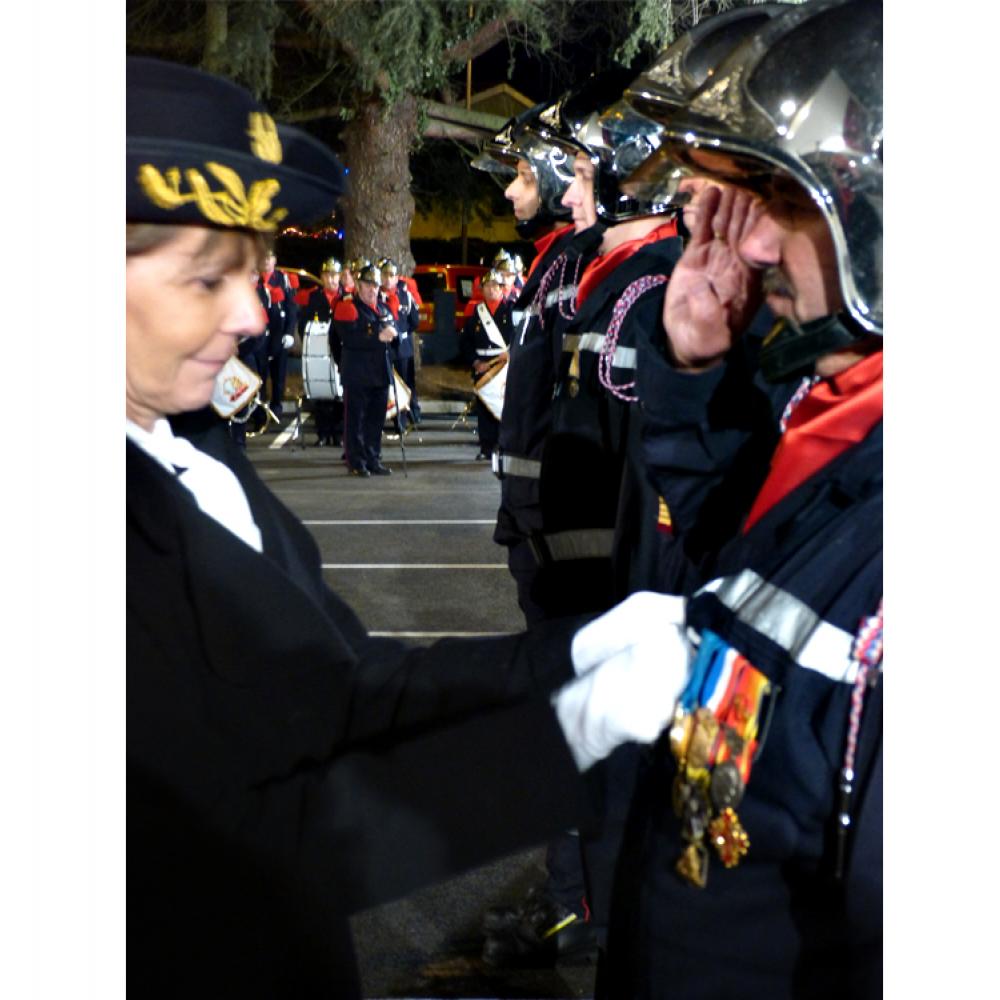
(631,666)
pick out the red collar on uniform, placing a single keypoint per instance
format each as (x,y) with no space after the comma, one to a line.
(837,413)
(331,297)
(542,245)
(601,266)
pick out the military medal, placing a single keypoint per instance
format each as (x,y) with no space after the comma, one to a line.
(726,786)
(693,865)
(729,838)
(713,738)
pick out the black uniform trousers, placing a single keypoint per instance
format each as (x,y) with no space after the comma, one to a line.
(364,416)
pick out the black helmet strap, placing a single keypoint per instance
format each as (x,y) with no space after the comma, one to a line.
(791,349)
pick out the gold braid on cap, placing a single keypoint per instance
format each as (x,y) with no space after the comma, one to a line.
(233,205)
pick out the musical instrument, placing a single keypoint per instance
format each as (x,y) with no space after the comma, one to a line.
(402,393)
(490,386)
(320,375)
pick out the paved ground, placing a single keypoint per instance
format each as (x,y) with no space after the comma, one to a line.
(414,556)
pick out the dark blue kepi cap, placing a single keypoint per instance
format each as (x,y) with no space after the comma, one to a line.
(201,149)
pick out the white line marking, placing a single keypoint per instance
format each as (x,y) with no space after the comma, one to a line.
(434,635)
(280,439)
(414,565)
(490,521)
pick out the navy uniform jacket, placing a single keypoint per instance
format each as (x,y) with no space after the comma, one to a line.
(476,342)
(598,540)
(407,321)
(282,312)
(364,355)
(285,770)
(252,351)
(789,595)
(527,413)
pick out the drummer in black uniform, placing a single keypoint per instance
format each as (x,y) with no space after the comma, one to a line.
(486,338)
(319,310)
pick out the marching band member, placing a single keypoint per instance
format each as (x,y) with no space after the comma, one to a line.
(319,309)
(407,319)
(486,338)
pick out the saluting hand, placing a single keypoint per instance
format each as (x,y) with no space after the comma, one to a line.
(712,294)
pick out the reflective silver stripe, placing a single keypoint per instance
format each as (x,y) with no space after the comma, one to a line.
(813,643)
(489,352)
(624,356)
(566,292)
(511,465)
(589,543)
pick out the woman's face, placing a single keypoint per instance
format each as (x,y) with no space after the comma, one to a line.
(187,304)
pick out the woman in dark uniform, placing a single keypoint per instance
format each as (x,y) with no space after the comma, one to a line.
(284,769)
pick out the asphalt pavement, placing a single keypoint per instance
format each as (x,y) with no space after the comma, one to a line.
(413,554)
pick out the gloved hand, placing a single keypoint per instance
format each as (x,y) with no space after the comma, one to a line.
(625,695)
(622,625)
(287,340)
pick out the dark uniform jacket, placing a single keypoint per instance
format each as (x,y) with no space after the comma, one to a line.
(407,321)
(789,594)
(283,310)
(476,342)
(598,539)
(285,770)
(364,355)
(527,414)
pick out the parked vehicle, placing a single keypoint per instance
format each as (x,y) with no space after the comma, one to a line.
(460,279)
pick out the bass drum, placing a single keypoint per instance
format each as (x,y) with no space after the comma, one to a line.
(490,388)
(320,375)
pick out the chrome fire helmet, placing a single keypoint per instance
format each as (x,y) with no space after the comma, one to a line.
(673,78)
(798,107)
(503,263)
(331,264)
(524,138)
(368,272)
(616,139)
(388,267)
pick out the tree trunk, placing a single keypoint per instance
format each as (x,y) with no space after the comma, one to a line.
(378,207)
(216,33)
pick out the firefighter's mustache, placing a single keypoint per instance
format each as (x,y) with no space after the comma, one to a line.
(774,282)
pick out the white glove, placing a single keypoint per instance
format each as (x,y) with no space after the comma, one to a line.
(630,696)
(623,625)
(287,341)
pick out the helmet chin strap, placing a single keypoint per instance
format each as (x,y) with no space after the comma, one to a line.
(528,229)
(791,349)
(538,224)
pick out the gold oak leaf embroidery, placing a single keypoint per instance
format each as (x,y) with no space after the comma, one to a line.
(264,141)
(232,206)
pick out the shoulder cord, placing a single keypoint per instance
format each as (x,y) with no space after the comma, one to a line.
(800,393)
(867,653)
(610,345)
(538,303)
